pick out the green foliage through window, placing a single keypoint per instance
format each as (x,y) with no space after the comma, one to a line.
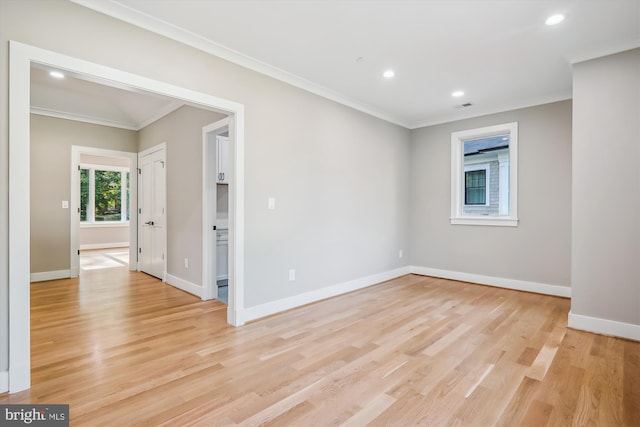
(104,203)
(84,193)
(108,198)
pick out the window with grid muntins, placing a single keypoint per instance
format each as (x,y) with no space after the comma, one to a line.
(475,186)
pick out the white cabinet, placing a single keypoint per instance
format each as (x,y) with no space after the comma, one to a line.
(222,254)
(222,156)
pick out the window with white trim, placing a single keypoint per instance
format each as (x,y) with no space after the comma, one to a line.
(484,172)
(104,194)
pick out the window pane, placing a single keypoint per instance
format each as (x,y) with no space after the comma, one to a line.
(475,187)
(108,197)
(489,197)
(84,193)
(486,165)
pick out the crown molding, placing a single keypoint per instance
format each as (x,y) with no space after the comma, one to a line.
(479,112)
(103,122)
(160,114)
(80,118)
(126,14)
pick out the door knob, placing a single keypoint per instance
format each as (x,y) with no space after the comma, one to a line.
(149,223)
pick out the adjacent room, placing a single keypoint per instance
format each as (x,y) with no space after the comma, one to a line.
(321,213)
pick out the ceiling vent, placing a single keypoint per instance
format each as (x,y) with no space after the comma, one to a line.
(465,105)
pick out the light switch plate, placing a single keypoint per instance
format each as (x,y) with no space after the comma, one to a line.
(271,203)
(65,204)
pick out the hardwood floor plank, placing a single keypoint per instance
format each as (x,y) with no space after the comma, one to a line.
(631,384)
(123,348)
(538,415)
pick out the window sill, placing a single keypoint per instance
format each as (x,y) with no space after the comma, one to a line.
(104,224)
(485,220)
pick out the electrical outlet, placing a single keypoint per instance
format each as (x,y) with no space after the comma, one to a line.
(65,204)
(186,263)
(292,275)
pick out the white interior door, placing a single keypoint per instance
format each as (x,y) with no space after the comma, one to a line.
(152,212)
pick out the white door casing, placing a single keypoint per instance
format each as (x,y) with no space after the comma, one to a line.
(152,245)
(210,178)
(21,56)
(76,150)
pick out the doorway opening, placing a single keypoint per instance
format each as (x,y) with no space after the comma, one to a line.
(21,58)
(217,176)
(103,205)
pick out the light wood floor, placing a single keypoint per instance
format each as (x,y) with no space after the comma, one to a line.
(124,349)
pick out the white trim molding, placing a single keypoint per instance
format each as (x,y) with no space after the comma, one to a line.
(458,140)
(273,307)
(499,282)
(50,275)
(76,224)
(604,326)
(149,23)
(184,285)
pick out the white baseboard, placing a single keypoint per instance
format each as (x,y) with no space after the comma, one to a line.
(604,326)
(50,275)
(519,285)
(104,245)
(4,381)
(262,310)
(185,285)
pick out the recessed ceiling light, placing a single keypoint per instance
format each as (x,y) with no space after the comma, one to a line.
(554,19)
(56,74)
(457,93)
(388,74)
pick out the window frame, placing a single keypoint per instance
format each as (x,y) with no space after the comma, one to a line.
(458,176)
(486,167)
(91,222)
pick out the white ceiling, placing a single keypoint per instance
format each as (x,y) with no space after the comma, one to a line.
(76,98)
(499,52)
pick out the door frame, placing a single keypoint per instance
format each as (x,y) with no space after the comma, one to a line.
(20,58)
(76,151)
(209,244)
(162,147)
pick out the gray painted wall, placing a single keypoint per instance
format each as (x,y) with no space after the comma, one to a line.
(606,188)
(182,132)
(51,141)
(539,249)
